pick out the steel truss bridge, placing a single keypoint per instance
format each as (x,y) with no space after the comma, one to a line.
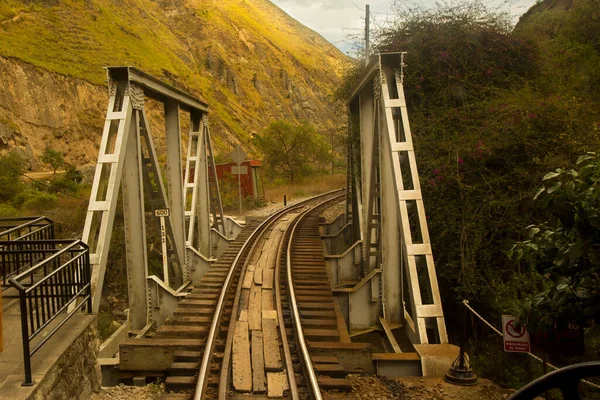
(226,290)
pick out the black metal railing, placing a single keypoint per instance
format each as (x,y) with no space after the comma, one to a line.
(26,228)
(29,230)
(51,291)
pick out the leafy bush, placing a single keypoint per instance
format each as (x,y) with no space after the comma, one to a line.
(63,184)
(6,210)
(565,251)
(41,202)
(458,52)
(12,166)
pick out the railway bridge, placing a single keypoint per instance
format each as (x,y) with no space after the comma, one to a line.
(286,305)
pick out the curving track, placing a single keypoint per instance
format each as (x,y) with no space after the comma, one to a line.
(296,316)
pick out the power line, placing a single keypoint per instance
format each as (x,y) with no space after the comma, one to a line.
(354,4)
(40,182)
(363,10)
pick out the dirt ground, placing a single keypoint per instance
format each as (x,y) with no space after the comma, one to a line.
(364,388)
(122,392)
(417,388)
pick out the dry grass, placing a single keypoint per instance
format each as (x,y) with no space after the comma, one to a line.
(307,188)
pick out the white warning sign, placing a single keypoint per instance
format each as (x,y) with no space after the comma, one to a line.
(516,340)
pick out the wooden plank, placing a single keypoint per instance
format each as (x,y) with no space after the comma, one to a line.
(258,276)
(396,357)
(272,259)
(249,277)
(243,316)
(269,314)
(267,300)
(267,282)
(258,363)
(262,260)
(267,245)
(242,370)
(255,308)
(271,345)
(244,299)
(277,383)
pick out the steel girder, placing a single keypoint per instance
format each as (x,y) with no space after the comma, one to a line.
(386,206)
(127,158)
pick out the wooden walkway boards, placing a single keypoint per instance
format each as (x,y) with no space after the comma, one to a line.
(256,355)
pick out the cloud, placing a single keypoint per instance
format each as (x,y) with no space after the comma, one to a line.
(337,19)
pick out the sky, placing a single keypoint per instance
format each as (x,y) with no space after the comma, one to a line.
(336,19)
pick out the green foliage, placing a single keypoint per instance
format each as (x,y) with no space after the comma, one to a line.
(67,183)
(12,166)
(458,52)
(105,325)
(6,210)
(189,45)
(492,110)
(565,251)
(37,201)
(53,158)
(291,150)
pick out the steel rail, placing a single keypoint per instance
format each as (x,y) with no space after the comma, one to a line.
(293,386)
(204,369)
(314,384)
(226,365)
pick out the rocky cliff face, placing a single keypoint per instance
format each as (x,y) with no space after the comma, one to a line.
(248,59)
(39,108)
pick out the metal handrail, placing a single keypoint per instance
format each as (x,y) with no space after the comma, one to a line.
(294,305)
(58,252)
(33,221)
(42,302)
(210,339)
(30,232)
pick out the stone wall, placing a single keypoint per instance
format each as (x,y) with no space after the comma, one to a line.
(76,375)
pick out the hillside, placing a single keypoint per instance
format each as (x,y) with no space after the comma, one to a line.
(248,59)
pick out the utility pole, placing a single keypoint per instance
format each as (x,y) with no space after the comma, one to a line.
(367,31)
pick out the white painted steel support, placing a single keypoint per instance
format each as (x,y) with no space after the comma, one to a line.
(135,228)
(128,157)
(378,102)
(175,180)
(100,216)
(163,243)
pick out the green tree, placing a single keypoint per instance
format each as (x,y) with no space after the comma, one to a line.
(53,158)
(565,251)
(12,166)
(293,150)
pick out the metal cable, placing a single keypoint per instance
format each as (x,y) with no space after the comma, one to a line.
(466,303)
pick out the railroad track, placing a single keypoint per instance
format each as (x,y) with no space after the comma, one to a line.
(264,350)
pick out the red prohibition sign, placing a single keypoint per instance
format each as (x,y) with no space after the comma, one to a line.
(512,331)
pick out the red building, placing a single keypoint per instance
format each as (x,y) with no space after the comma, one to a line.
(251,176)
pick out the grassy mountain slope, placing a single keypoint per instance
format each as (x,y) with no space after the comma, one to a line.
(248,59)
